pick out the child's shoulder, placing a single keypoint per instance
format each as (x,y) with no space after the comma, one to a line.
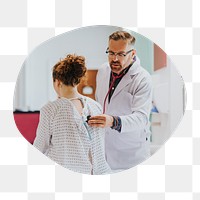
(56,104)
(91,102)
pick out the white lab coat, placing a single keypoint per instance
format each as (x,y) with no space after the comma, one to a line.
(131,101)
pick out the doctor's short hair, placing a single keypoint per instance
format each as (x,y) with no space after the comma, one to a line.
(122,35)
(70,70)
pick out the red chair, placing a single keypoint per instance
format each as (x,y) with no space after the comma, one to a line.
(27,123)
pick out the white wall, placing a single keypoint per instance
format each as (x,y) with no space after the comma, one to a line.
(172,101)
(161,97)
(177,100)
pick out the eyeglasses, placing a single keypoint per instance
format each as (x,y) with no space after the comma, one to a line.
(119,55)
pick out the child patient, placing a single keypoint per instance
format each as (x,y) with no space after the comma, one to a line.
(63,133)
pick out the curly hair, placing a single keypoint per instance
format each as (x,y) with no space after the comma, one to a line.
(70,70)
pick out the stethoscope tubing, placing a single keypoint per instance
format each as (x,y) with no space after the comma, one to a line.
(111,85)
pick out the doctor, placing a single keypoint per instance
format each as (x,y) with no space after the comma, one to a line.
(124,90)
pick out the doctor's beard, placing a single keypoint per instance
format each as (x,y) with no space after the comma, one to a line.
(116,67)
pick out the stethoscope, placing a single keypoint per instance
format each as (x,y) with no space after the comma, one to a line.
(114,77)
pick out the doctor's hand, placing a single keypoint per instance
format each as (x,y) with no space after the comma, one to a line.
(101,121)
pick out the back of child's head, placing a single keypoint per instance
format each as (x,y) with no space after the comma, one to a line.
(70,70)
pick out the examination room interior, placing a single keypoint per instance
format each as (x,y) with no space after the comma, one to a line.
(34,86)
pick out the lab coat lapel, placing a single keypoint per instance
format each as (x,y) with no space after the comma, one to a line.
(105,86)
(126,79)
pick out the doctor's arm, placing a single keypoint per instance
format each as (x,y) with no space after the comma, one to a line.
(141,107)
